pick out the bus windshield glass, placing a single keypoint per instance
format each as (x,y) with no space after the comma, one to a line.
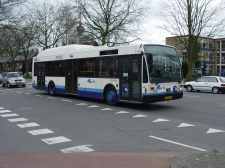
(163,64)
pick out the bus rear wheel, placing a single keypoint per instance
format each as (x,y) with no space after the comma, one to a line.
(51,89)
(111,96)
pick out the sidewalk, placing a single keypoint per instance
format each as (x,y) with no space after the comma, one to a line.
(199,160)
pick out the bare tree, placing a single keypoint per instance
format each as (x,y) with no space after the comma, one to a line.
(10,44)
(53,22)
(7,14)
(28,34)
(194,19)
(110,21)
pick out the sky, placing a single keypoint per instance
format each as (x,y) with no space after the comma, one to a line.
(154,34)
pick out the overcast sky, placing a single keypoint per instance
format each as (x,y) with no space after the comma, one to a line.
(153,34)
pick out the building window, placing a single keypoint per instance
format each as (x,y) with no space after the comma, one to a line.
(223,45)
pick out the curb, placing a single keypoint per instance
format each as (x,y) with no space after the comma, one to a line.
(199,160)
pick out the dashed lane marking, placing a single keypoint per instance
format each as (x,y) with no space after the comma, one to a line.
(190,96)
(81,104)
(27,93)
(92,106)
(139,115)
(9,115)
(40,131)
(176,143)
(55,140)
(186,125)
(51,98)
(66,100)
(160,120)
(76,149)
(211,130)
(107,109)
(1,108)
(38,95)
(122,112)
(25,125)
(5,111)
(17,119)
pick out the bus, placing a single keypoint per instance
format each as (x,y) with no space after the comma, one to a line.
(144,73)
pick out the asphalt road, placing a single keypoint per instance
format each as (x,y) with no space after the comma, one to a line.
(32,122)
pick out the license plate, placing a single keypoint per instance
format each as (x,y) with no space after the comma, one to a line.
(168,97)
(18,83)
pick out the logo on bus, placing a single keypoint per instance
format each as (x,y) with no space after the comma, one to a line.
(158,87)
(175,89)
(125,89)
(89,81)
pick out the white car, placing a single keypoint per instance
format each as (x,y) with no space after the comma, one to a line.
(215,84)
(12,79)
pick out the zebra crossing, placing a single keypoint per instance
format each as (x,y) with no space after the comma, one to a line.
(50,141)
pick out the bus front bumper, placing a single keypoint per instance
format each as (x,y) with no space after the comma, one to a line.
(162,97)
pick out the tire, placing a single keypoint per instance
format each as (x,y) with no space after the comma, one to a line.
(8,85)
(51,88)
(111,96)
(189,88)
(3,85)
(23,85)
(215,90)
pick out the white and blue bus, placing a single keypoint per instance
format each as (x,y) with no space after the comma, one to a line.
(133,73)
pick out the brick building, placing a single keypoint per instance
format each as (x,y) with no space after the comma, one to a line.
(212,52)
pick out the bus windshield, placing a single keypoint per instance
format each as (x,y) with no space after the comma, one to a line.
(163,64)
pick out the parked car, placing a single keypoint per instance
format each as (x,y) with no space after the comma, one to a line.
(12,79)
(0,78)
(215,84)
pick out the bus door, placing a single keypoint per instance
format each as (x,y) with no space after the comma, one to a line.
(71,77)
(41,76)
(130,78)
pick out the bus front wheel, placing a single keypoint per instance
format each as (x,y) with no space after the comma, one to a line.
(111,96)
(51,88)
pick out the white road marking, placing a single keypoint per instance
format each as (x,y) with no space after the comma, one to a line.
(9,115)
(185,125)
(190,96)
(139,115)
(40,131)
(211,130)
(17,119)
(1,108)
(38,95)
(122,112)
(18,92)
(76,149)
(107,109)
(55,140)
(160,120)
(66,100)
(173,142)
(5,111)
(51,98)
(81,104)
(27,93)
(25,125)
(92,106)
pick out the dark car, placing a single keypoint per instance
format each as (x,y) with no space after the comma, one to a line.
(12,79)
